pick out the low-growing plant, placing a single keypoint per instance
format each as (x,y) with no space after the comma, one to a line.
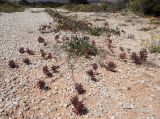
(66,23)
(131,36)
(49,56)
(121,49)
(55,68)
(46,71)
(80,46)
(41,40)
(145,29)
(79,107)
(42,85)
(9,7)
(30,52)
(111,66)
(12,64)
(45,44)
(73,25)
(92,75)
(43,54)
(123,56)
(94,7)
(155,21)
(21,50)
(97,31)
(27,61)
(54,13)
(154,49)
(79,88)
(141,58)
(95,66)
(153,44)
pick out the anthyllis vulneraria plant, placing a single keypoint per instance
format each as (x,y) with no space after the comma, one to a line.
(141,58)
(78,106)
(12,64)
(97,31)
(80,46)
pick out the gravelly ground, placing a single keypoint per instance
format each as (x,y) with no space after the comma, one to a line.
(131,93)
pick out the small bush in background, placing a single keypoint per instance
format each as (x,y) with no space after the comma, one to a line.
(148,7)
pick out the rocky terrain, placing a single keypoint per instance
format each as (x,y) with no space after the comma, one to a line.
(132,92)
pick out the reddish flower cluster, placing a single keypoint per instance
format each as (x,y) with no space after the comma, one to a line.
(21,50)
(141,58)
(79,107)
(41,40)
(46,71)
(26,61)
(79,88)
(55,68)
(30,52)
(123,56)
(41,84)
(45,55)
(111,66)
(92,72)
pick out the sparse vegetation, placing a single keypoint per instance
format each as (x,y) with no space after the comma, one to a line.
(46,71)
(26,61)
(6,6)
(42,85)
(153,44)
(97,31)
(131,36)
(110,7)
(111,66)
(30,52)
(79,107)
(141,58)
(80,46)
(21,50)
(82,52)
(123,56)
(154,49)
(147,7)
(41,40)
(12,64)
(55,68)
(79,88)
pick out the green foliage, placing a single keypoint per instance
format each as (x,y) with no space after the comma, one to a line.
(73,25)
(94,7)
(154,49)
(8,7)
(80,46)
(148,7)
(155,21)
(97,31)
(66,23)
(54,13)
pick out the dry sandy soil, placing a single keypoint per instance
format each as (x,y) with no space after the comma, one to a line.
(133,92)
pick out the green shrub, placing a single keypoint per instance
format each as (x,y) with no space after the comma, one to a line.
(148,7)
(95,7)
(6,6)
(97,31)
(80,46)
(154,49)
(54,13)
